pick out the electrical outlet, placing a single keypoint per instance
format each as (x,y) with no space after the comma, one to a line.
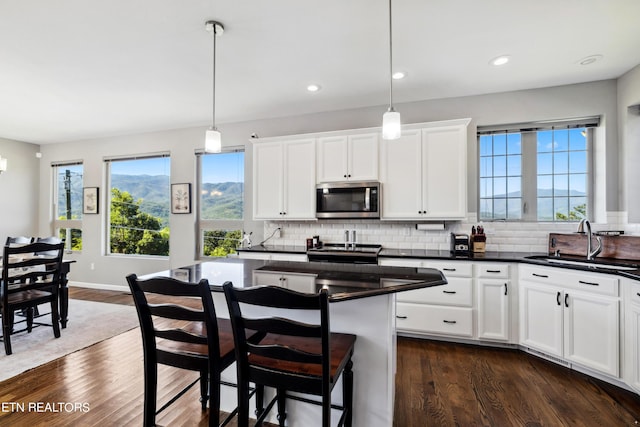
(92,266)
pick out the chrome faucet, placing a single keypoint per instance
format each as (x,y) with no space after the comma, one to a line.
(591,253)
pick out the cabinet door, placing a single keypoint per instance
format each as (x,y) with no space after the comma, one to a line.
(632,346)
(299,180)
(444,180)
(268,176)
(591,331)
(541,317)
(363,157)
(401,176)
(493,310)
(332,158)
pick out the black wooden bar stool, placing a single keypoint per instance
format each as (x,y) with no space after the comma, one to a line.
(289,355)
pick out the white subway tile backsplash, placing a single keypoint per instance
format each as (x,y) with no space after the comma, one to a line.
(501,236)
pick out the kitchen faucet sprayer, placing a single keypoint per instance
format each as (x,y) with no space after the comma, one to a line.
(591,253)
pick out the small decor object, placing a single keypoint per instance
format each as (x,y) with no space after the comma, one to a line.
(181,198)
(90,200)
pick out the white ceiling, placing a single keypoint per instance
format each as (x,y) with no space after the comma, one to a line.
(78,69)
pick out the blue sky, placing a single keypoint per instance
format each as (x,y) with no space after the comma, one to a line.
(227,167)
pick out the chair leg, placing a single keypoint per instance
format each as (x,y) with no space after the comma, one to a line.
(6,333)
(204,389)
(243,403)
(282,413)
(347,393)
(55,318)
(29,319)
(214,398)
(150,392)
(259,400)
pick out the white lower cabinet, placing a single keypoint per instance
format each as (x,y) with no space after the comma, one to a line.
(574,316)
(632,334)
(434,319)
(296,282)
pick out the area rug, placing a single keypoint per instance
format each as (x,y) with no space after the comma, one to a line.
(89,322)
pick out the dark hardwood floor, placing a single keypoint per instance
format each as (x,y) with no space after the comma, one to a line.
(437,384)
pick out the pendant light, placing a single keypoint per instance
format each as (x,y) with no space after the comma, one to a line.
(391,119)
(213,140)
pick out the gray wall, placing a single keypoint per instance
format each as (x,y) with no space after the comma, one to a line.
(19,190)
(629,130)
(596,98)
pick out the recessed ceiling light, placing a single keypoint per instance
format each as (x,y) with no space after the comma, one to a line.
(588,60)
(313,88)
(500,60)
(398,75)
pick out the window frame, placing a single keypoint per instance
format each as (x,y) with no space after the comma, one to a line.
(203,225)
(108,182)
(529,160)
(58,224)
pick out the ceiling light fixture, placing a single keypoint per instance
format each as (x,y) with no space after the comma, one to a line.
(213,139)
(313,88)
(500,60)
(399,75)
(3,164)
(391,128)
(588,60)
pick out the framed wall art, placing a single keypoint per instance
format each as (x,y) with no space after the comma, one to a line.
(90,200)
(181,198)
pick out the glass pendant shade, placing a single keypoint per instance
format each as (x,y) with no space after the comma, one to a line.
(213,141)
(391,128)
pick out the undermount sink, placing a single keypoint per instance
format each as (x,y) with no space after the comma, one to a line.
(589,264)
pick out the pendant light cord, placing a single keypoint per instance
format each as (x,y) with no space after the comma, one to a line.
(390,60)
(213,119)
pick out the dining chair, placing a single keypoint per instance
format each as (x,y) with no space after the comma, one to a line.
(287,354)
(27,281)
(19,240)
(180,329)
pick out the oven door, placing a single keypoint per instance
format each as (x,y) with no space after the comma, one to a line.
(348,200)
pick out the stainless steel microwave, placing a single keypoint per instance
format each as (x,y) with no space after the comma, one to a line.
(348,200)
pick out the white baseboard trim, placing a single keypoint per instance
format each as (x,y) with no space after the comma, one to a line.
(101,286)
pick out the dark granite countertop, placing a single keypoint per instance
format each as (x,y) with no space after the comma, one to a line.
(290,249)
(342,281)
(445,255)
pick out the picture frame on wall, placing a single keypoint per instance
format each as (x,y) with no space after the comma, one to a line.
(90,200)
(181,198)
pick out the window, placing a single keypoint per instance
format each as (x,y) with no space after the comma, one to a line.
(139,205)
(221,207)
(67,203)
(535,172)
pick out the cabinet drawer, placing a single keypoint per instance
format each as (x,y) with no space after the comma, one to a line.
(634,293)
(571,279)
(491,271)
(452,269)
(458,291)
(422,318)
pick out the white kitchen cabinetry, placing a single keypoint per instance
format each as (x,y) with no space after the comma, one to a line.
(296,282)
(284,180)
(494,293)
(632,333)
(439,310)
(424,173)
(347,158)
(571,315)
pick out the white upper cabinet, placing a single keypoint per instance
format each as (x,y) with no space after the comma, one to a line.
(284,180)
(347,158)
(424,173)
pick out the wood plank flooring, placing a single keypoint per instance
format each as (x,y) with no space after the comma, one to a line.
(437,384)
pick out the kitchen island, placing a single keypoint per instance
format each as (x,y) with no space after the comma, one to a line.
(362,302)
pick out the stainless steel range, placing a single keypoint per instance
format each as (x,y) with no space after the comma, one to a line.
(356,254)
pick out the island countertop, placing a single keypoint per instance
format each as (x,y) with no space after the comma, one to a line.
(342,281)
